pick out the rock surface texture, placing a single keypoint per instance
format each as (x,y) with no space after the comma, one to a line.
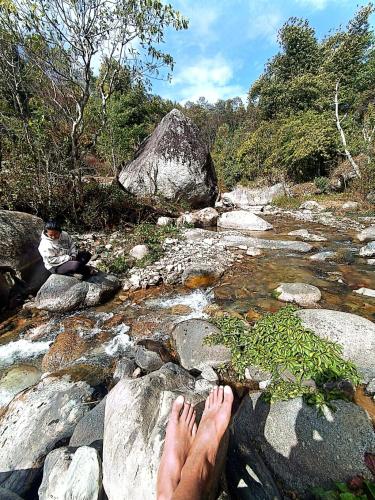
(64,293)
(368,250)
(302,294)
(33,423)
(243,197)
(135,420)
(243,220)
(174,164)
(301,447)
(367,234)
(355,334)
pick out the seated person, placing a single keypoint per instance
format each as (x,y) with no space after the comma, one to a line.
(59,252)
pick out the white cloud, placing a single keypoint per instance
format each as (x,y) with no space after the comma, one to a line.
(208,77)
(202,19)
(315,4)
(265,20)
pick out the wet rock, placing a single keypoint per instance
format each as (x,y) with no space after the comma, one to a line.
(322,256)
(149,361)
(354,333)
(300,293)
(206,217)
(370,388)
(65,293)
(16,380)
(165,221)
(253,252)
(312,205)
(72,475)
(232,240)
(139,251)
(243,197)
(173,163)
(305,235)
(301,447)
(367,234)
(368,250)
(194,353)
(350,206)
(135,421)
(200,275)
(33,423)
(368,292)
(90,429)
(240,219)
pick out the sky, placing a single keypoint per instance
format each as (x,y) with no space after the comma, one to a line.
(228,42)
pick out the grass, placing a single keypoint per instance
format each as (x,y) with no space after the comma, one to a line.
(279,343)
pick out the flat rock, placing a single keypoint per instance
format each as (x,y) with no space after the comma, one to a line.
(33,423)
(173,163)
(62,293)
(368,292)
(312,205)
(322,256)
(302,294)
(367,234)
(305,235)
(135,421)
(241,219)
(301,447)
(233,240)
(243,197)
(368,250)
(354,333)
(189,338)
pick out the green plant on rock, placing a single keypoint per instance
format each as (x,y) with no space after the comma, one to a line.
(279,343)
(287,202)
(342,491)
(117,265)
(153,236)
(322,184)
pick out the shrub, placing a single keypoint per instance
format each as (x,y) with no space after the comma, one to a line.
(322,184)
(285,201)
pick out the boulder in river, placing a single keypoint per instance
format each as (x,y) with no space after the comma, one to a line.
(367,234)
(33,423)
(302,294)
(354,333)
(135,421)
(241,219)
(302,447)
(368,292)
(312,205)
(206,217)
(243,197)
(305,235)
(63,293)
(368,250)
(194,353)
(173,164)
(200,275)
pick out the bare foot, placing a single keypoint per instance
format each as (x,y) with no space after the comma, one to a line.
(181,430)
(214,422)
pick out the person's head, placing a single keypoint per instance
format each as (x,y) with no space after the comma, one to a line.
(52,229)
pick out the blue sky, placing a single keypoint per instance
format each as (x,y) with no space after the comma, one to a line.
(229,41)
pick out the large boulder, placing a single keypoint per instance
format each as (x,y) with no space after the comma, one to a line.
(19,256)
(135,421)
(354,333)
(243,197)
(302,447)
(173,164)
(33,423)
(241,219)
(63,293)
(206,217)
(189,337)
(90,429)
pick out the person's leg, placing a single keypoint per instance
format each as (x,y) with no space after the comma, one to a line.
(69,267)
(83,256)
(181,430)
(200,463)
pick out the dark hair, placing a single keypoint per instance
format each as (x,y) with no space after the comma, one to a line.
(53,225)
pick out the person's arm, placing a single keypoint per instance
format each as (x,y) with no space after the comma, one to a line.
(49,256)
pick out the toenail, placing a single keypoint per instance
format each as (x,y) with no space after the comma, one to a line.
(180,399)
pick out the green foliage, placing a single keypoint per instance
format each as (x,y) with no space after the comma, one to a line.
(285,201)
(342,491)
(152,236)
(277,343)
(117,265)
(322,184)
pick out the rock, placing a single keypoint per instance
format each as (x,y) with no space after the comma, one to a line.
(189,337)
(208,373)
(63,293)
(370,388)
(367,234)
(351,206)
(90,429)
(253,252)
(371,262)
(371,197)
(19,256)
(149,361)
(368,292)
(312,205)
(304,235)
(206,217)
(256,374)
(243,197)
(203,386)
(368,250)
(124,369)
(321,256)
(165,221)
(354,333)
(33,423)
(200,275)
(300,293)
(240,219)
(173,163)
(72,475)
(8,495)
(139,251)
(135,420)
(16,380)
(342,175)
(233,240)
(301,447)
